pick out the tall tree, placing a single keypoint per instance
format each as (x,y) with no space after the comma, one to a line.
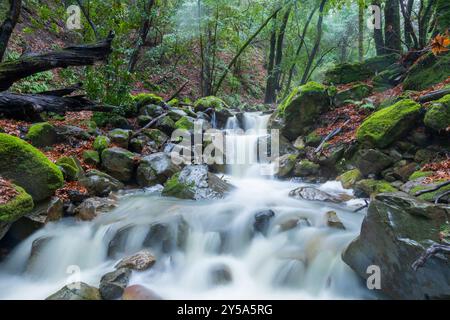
(7,27)
(377,31)
(392,40)
(410,35)
(361,8)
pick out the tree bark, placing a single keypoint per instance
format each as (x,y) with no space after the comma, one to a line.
(424,21)
(361,30)
(270,84)
(316,44)
(410,35)
(88,18)
(378,33)
(9,24)
(80,55)
(392,26)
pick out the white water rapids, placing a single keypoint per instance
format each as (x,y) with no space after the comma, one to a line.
(209,240)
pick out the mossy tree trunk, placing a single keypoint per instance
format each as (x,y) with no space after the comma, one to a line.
(8,25)
(392,31)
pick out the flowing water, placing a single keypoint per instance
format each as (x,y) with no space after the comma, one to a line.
(205,249)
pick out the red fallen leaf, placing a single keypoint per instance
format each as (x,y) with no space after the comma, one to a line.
(440,44)
(7,191)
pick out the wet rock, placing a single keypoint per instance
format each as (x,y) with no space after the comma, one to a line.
(220,274)
(42,135)
(141,261)
(405,171)
(100,184)
(67,133)
(333,220)
(355,93)
(305,168)
(120,137)
(285,164)
(195,182)
(92,207)
(313,194)
(91,157)
(4,227)
(113,284)
(371,161)
(350,178)
(262,221)
(395,233)
(138,292)
(37,247)
(294,223)
(119,163)
(371,187)
(156,169)
(76,291)
(55,209)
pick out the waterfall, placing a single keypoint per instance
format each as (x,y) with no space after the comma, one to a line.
(209,249)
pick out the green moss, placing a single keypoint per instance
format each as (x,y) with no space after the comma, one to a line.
(355,93)
(20,205)
(427,71)
(143,99)
(28,167)
(174,103)
(103,119)
(430,196)
(205,103)
(69,167)
(350,178)
(372,187)
(420,174)
(388,78)
(177,189)
(143,120)
(184,124)
(442,16)
(41,134)
(91,157)
(155,135)
(101,143)
(313,139)
(387,125)
(438,115)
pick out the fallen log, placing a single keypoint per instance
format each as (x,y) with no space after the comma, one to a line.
(434,95)
(28,106)
(80,55)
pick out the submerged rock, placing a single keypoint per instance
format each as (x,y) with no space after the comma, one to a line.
(92,207)
(262,221)
(333,220)
(395,233)
(113,284)
(138,292)
(76,291)
(140,261)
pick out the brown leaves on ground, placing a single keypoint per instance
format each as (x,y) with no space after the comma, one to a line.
(13,127)
(440,44)
(441,170)
(7,191)
(70,186)
(79,119)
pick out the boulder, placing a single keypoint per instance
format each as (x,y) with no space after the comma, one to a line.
(371,187)
(119,163)
(355,93)
(185,123)
(31,170)
(101,143)
(298,113)
(220,274)
(166,125)
(313,194)
(42,134)
(305,168)
(389,78)
(438,115)
(67,133)
(155,169)
(76,291)
(389,124)
(176,114)
(69,167)
(140,261)
(143,99)
(284,165)
(350,178)
(262,221)
(120,137)
(195,182)
(100,184)
(333,220)
(92,207)
(91,157)
(394,234)
(55,210)
(113,284)
(16,207)
(138,292)
(371,161)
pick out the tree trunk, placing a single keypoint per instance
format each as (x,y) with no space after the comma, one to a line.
(378,33)
(361,30)
(424,21)
(316,44)
(279,51)
(23,106)
(442,16)
(270,84)
(88,18)
(392,26)
(80,55)
(410,35)
(9,24)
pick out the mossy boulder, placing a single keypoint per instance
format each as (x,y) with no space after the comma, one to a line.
(16,207)
(178,189)
(27,167)
(120,137)
(285,164)
(427,71)
(212,102)
(305,168)
(438,115)
(155,168)
(185,123)
(299,111)
(371,187)
(143,99)
(119,163)
(101,143)
(357,92)
(143,120)
(350,178)
(429,196)
(103,119)
(419,174)
(388,78)
(69,167)
(91,157)
(166,125)
(389,124)
(351,72)
(42,134)
(313,139)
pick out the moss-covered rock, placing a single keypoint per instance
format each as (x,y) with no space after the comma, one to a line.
(143,120)
(313,139)
(178,189)
(18,206)
(101,143)
(103,119)
(427,71)
(143,99)
(212,102)
(420,174)
(299,111)
(350,178)
(285,165)
(185,123)
(28,167)
(166,125)
(438,115)
(42,134)
(388,78)
(355,93)
(387,125)
(305,168)
(119,163)
(156,135)
(371,187)
(429,196)
(351,72)
(69,167)
(91,157)
(120,137)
